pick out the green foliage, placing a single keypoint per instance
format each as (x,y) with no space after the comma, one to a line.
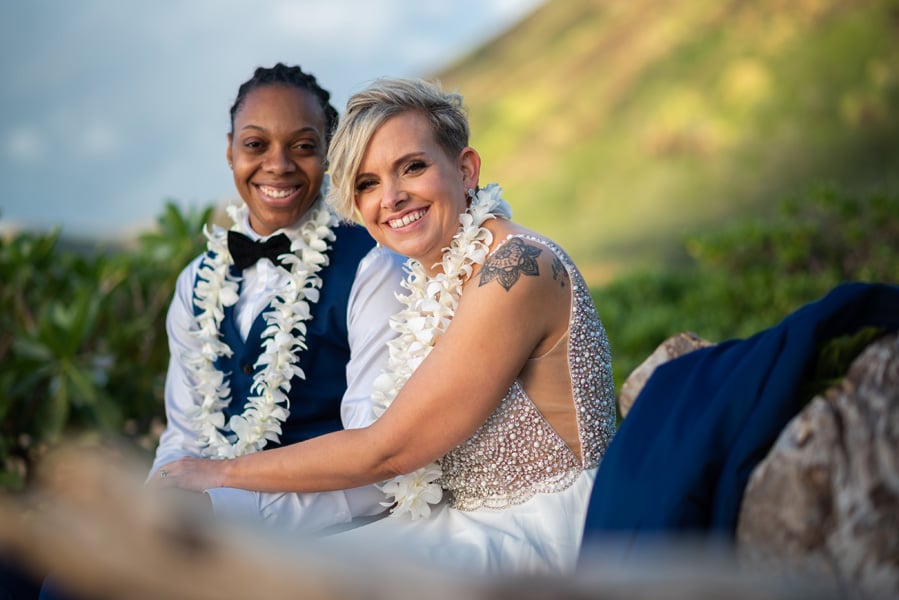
(834,359)
(82,342)
(747,277)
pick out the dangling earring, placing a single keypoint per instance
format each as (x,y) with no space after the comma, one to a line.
(230,166)
(471,195)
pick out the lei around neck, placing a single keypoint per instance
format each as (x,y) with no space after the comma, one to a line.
(429,309)
(283,338)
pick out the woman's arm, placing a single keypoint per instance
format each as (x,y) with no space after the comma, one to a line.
(509,311)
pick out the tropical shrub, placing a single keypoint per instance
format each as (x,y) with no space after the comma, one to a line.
(749,276)
(83,349)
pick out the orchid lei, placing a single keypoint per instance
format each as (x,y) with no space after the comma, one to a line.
(283,337)
(429,308)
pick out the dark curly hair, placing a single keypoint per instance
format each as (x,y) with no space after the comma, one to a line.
(281,74)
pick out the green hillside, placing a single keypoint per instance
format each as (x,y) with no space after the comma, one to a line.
(616,127)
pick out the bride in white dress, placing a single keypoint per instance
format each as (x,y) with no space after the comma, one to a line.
(498,401)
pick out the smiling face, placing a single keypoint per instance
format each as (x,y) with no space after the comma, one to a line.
(409,192)
(277,152)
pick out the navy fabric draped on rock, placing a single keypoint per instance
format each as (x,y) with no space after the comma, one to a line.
(681,459)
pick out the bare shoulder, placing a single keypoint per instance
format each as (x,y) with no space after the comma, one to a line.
(521,296)
(519,257)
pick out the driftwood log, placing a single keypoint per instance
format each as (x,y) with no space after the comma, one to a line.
(101,534)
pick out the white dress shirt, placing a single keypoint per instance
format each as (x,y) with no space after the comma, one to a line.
(372,302)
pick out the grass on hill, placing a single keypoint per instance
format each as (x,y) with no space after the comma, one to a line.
(618,128)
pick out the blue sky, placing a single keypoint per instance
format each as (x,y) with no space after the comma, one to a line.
(111,107)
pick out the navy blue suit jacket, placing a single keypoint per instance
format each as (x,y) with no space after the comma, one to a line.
(315,400)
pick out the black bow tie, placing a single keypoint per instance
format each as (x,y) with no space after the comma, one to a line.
(246,252)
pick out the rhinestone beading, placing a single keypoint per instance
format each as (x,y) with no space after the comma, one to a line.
(516,453)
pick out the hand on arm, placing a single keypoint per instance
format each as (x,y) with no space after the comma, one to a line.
(503,319)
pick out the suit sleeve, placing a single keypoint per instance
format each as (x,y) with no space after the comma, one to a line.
(178,439)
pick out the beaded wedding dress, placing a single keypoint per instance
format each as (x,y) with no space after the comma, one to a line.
(516,492)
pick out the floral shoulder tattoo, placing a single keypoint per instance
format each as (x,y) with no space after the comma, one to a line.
(510,261)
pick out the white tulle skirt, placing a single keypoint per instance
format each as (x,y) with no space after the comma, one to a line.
(542,535)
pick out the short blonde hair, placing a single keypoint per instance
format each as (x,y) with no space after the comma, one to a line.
(367,110)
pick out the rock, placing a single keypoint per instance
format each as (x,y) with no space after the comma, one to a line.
(825,500)
(673,347)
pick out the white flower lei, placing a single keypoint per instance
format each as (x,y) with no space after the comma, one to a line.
(430,306)
(216,289)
